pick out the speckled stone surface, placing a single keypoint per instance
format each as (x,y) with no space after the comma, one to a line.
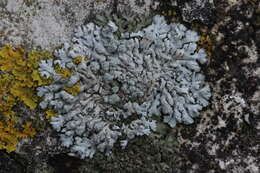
(226,136)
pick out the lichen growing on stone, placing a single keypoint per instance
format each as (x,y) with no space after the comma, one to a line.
(124,83)
(206,42)
(10,134)
(19,77)
(126,21)
(24,73)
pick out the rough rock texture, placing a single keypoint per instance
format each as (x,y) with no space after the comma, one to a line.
(198,10)
(43,23)
(46,24)
(225,139)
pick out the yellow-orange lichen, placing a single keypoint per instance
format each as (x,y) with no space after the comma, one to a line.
(206,43)
(50,113)
(7,101)
(23,71)
(19,78)
(64,72)
(74,90)
(77,59)
(10,134)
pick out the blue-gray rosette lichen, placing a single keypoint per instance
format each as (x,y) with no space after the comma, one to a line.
(124,84)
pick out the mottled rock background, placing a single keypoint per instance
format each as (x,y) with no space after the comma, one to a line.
(226,136)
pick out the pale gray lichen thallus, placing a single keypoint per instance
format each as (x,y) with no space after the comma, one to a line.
(124,83)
